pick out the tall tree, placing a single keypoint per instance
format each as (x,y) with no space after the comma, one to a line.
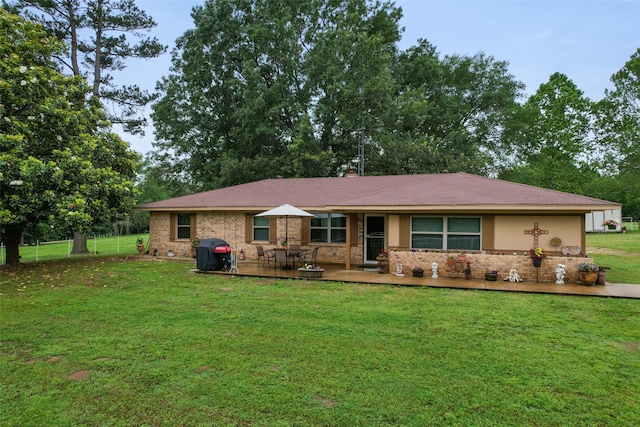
(450,112)
(552,138)
(101,36)
(58,160)
(619,134)
(261,88)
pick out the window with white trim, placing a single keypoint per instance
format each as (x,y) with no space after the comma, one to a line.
(447,233)
(183,226)
(328,228)
(261,228)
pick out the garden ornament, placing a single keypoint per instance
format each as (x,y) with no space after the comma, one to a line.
(513,276)
(434,270)
(399,272)
(560,274)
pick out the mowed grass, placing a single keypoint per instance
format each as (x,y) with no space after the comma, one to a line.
(620,252)
(110,342)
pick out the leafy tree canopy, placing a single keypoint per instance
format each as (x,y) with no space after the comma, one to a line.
(618,122)
(553,136)
(261,88)
(101,36)
(58,160)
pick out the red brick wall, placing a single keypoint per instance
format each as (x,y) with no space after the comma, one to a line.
(230,227)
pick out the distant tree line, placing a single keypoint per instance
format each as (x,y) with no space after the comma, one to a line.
(260,88)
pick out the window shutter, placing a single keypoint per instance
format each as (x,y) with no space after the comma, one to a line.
(193,224)
(405,231)
(488,233)
(248,228)
(172,226)
(304,231)
(273,231)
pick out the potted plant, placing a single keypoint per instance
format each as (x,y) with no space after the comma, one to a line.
(467,271)
(309,271)
(462,257)
(537,255)
(588,273)
(418,271)
(611,224)
(194,245)
(140,245)
(451,260)
(383,261)
(491,276)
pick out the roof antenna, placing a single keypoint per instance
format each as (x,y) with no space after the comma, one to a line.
(361,157)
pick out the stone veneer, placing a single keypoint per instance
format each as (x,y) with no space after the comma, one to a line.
(482,263)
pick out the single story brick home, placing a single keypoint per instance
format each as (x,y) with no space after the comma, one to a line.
(417,218)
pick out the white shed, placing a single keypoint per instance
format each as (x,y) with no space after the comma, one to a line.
(593,221)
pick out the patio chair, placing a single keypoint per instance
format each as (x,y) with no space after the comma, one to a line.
(264,256)
(295,252)
(309,257)
(280,257)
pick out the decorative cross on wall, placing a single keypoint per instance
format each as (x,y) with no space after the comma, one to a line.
(536,231)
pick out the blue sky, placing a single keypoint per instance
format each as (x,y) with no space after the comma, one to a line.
(586,40)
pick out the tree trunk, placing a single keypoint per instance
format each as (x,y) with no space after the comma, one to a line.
(79,244)
(12,240)
(73,30)
(97,60)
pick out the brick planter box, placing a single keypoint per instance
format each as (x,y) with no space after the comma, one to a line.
(481,263)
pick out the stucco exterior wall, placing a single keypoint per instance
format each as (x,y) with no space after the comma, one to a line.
(393,231)
(510,236)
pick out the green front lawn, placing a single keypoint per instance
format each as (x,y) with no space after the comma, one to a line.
(121,343)
(115,245)
(620,252)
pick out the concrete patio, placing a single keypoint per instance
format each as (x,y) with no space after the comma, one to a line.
(338,273)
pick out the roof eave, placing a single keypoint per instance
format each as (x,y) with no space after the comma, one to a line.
(402,208)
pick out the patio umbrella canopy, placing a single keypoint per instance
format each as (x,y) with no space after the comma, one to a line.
(285,211)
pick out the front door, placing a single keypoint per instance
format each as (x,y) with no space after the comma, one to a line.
(374,237)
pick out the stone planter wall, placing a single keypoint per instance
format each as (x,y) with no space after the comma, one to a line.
(481,263)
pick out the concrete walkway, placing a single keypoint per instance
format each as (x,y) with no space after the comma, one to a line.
(337,273)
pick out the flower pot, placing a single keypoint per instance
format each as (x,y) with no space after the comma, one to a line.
(140,249)
(418,274)
(537,262)
(451,262)
(383,265)
(461,258)
(588,277)
(491,277)
(310,273)
(611,227)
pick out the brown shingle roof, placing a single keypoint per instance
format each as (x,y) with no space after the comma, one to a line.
(414,192)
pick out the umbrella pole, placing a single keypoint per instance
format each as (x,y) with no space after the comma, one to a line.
(286,238)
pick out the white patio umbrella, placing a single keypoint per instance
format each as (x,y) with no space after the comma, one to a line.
(286,211)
